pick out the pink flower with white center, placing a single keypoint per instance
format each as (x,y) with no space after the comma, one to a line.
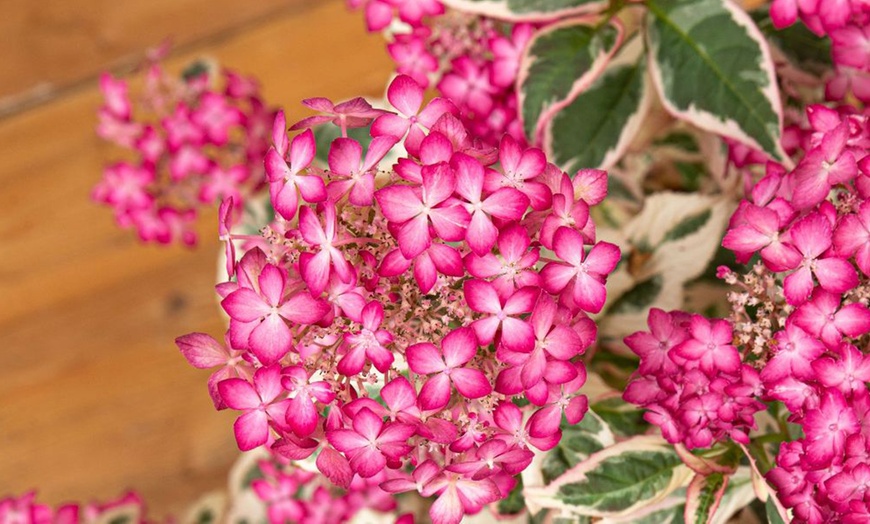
(508,418)
(316,268)
(415,210)
(849,373)
(506,203)
(371,445)
(412,57)
(434,149)
(585,276)
(852,237)
(216,116)
(125,186)
(267,311)
(447,365)
(567,212)
(822,317)
(795,353)
(263,402)
(513,267)
(286,179)
(369,343)
(356,112)
(507,52)
(590,185)
(827,427)
(851,47)
(180,128)
(710,344)
(351,174)
(812,237)
(564,400)
(502,314)
(187,161)
(302,416)
(848,485)
(204,352)
(437,258)
(519,169)
(413,11)
(406,95)
(420,477)
(823,167)
(760,231)
(279,491)
(459,496)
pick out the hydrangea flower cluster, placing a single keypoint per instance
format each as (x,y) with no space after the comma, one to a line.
(846,22)
(692,381)
(392,321)
(474,59)
(800,319)
(26,510)
(292,494)
(193,144)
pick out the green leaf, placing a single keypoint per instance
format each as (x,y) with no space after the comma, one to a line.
(514,503)
(712,67)
(688,225)
(638,298)
(558,64)
(527,9)
(617,480)
(703,497)
(624,419)
(578,442)
(801,46)
(773,516)
(596,128)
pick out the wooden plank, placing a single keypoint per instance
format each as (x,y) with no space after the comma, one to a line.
(95,398)
(48,45)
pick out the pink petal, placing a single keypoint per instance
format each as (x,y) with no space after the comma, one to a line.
(302,150)
(798,286)
(424,359)
(603,258)
(517,334)
(406,95)
(545,421)
(315,270)
(272,281)
(335,467)
(271,339)
(459,347)
(853,320)
(448,508)
(345,156)
(390,125)
(202,351)
(346,440)
(302,308)
(367,424)
(399,203)
(245,305)
(450,221)
(312,188)
(413,236)
(238,393)
(568,245)
(252,430)
(481,233)
(556,277)
(399,394)
(471,383)
(589,293)
(367,462)
(302,415)
(836,275)
(435,393)
(481,296)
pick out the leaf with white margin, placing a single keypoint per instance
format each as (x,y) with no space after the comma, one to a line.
(775,509)
(703,496)
(668,511)
(559,63)
(617,480)
(738,495)
(527,10)
(596,128)
(712,67)
(580,440)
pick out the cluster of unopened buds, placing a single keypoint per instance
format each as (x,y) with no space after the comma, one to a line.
(26,510)
(474,60)
(846,22)
(801,320)
(193,144)
(394,320)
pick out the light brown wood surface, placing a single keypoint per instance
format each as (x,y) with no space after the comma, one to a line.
(94,396)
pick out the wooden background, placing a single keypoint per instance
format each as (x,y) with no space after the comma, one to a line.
(94,397)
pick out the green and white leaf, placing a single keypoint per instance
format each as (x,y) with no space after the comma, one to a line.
(668,511)
(703,496)
(623,419)
(596,128)
(527,10)
(559,63)
(617,480)
(712,67)
(738,495)
(579,441)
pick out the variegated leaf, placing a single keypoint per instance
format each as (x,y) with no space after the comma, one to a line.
(703,497)
(596,128)
(527,10)
(712,67)
(559,63)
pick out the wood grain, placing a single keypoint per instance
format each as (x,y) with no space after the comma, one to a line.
(95,398)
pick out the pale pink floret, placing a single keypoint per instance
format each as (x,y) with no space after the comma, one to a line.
(507,52)
(437,258)
(513,266)
(567,212)
(371,444)
(520,167)
(351,174)
(812,238)
(759,230)
(263,402)
(823,317)
(580,278)
(406,95)
(286,179)
(502,314)
(317,268)
(459,496)
(710,345)
(447,364)
(270,338)
(852,237)
(369,343)
(204,352)
(823,167)
(356,112)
